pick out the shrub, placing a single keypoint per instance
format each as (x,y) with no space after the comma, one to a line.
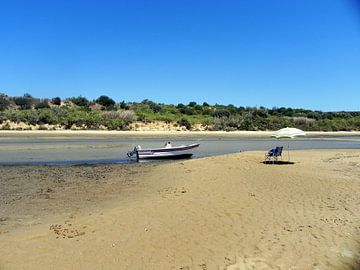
(6,127)
(155,107)
(80,101)
(115,124)
(199,108)
(4,102)
(303,121)
(141,117)
(126,116)
(185,123)
(207,122)
(221,113)
(24,102)
(30,117)
(42,127)
(207,111)
(42,105)
(124,106)
(59,115)
(187,110)
(105,101)
(56,101)
(47,116)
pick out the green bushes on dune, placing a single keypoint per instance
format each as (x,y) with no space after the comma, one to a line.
(104,112)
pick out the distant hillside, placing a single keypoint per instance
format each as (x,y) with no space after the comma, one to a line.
(28,112)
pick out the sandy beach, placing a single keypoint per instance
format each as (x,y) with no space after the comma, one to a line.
(162,133)
(226,212)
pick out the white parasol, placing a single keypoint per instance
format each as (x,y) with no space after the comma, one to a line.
(288,133)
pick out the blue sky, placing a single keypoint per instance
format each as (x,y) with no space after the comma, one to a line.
(298,53)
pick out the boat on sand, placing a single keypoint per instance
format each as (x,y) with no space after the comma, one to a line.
(166,152)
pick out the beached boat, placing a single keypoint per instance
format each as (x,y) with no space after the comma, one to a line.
(166,152)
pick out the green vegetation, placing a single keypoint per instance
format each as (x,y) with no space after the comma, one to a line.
(4,102)
(79,101)
(104,112)
(23,102)
(56,101)
(106,101)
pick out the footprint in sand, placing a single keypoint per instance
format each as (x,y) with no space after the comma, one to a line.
(336,221)
(248,264)
(3,219)
(167,192)
(67,230)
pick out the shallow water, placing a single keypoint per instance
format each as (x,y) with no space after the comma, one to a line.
(63,150)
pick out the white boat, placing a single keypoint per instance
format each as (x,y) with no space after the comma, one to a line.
(166,152)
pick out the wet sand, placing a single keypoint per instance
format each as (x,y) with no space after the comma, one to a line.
(211,213)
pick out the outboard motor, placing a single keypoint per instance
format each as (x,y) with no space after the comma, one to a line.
(130,154)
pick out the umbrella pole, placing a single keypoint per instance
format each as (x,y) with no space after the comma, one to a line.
(288,151)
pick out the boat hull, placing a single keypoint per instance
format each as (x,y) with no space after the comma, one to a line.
(180,152)
(179,156)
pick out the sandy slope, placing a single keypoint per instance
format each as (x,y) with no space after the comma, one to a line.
(160,133)
(198,214)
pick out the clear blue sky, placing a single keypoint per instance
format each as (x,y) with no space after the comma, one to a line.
(292,53)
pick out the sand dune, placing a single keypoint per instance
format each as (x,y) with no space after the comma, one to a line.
(229,212)
(161,133)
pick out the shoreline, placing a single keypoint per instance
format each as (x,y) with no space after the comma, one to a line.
(148,163)
(165,133)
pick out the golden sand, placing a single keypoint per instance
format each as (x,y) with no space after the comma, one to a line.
(228,212)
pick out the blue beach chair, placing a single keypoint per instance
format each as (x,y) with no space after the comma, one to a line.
(274,154)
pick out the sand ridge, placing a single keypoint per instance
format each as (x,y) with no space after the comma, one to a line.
(228,212)
(161,133)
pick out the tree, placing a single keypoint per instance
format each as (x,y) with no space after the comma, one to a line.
(4,102)
(24,102)
(105,101)
(192,104)
(146,101)
(80,101)
(205,104)
(56,101)
(123,105)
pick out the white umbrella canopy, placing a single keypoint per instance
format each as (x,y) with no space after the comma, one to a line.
(288,133)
